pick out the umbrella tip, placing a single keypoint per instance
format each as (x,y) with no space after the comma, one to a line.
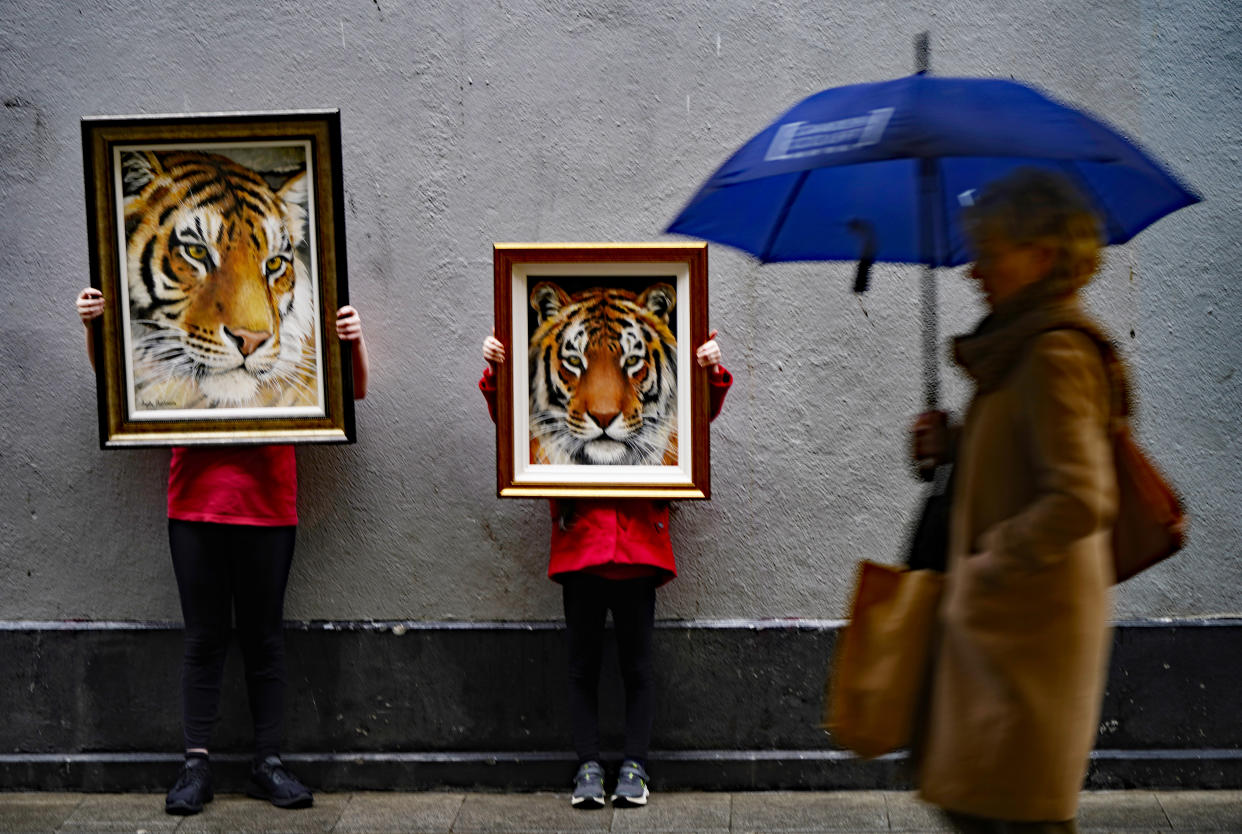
(922,53)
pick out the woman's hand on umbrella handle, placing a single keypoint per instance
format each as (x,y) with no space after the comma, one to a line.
(493,350)
(929,440)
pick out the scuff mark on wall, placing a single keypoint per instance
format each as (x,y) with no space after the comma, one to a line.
(26,138)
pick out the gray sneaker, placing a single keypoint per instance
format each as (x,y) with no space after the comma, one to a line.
(631,785)
(588,787)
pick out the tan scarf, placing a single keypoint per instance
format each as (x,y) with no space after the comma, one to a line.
(990,353)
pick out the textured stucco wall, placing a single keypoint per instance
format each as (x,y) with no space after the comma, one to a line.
(467,123)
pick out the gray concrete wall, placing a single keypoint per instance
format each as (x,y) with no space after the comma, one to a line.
(467,123)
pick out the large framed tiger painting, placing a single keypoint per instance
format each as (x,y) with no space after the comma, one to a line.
(218,243)
(600,395)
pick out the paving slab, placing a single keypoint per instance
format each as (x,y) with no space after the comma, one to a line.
(237,813)
(1121,811)
(434,812)
(397,813)
(806,811)
(120,812)
(673,812)
(906,812)
(542,812)
(1202,810)
(31,813)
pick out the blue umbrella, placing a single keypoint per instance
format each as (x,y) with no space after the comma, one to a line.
(880,172)
(887,167)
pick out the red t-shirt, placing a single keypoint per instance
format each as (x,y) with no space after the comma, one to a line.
(254,485)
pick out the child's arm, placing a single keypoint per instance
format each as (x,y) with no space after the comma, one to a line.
(494,353)
(90,307)
(718,379)
(349,329)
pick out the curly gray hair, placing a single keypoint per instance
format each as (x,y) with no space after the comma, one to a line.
(1039,205)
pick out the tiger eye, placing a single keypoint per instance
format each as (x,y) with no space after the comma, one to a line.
(196,251)
(274,264)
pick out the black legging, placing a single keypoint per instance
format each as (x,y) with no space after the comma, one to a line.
(588,598)
(225,570)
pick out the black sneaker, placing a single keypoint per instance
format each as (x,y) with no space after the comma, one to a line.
(632,788)
(269,780)
(192,790)
(588,787)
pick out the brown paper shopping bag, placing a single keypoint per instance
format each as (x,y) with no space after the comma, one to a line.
(881,662)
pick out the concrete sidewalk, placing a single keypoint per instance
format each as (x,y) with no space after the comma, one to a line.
(703,813)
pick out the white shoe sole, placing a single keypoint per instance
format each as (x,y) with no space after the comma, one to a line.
(587,803)
(631,801)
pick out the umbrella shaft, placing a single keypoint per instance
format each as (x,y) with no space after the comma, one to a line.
(930,232)
(931,339)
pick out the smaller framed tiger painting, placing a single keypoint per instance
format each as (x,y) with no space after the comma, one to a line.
(600,395)
(218,242)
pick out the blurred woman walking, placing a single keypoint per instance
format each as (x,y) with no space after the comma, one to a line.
(1020,667)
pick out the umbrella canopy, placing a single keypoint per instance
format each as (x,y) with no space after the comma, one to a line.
(880,171)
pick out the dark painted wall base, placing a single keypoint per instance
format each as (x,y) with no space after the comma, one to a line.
(408,706)
(679,770)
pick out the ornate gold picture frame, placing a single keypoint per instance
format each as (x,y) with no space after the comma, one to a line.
(218,242)
(600,395)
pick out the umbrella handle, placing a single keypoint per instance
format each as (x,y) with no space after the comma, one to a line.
(862,278)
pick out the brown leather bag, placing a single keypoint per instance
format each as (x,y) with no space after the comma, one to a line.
(1151,522)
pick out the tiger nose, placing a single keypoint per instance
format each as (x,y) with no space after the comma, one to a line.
(247,341)
(604,419)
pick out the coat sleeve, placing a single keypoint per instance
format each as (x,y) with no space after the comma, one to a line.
(1064,396)
(718,382)
(488,386)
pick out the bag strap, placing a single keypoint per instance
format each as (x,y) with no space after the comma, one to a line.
(1121,405)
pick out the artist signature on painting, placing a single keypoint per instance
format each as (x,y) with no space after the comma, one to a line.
(159,403)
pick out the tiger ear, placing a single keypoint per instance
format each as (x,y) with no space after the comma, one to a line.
(138,169)
(660,299)
(547,299)
(293,196)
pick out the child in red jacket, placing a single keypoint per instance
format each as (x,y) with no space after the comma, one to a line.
(611,554)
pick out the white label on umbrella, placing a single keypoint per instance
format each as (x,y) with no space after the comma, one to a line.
(800,139)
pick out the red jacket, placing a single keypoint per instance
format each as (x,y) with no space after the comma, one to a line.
(618,538)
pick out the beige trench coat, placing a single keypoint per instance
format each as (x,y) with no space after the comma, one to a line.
(1020,667)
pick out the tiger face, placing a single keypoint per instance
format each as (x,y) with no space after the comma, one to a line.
(603,376)
(221,307)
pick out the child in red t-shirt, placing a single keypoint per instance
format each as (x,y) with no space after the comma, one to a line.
(232,521)
(611,555)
